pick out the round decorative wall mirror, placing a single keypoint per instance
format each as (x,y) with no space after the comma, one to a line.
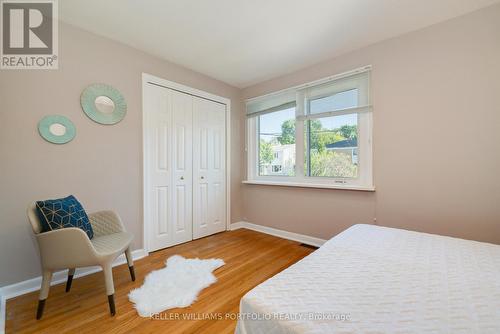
(56,129)
(103,104)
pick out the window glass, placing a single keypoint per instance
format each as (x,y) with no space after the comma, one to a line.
(332,146)
(338,101)
(277,143)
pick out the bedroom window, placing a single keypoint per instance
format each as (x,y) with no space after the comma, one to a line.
(314,135)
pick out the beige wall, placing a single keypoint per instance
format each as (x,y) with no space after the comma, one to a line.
(436,138)
(102,166)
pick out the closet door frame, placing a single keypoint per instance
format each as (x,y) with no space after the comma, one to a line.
(151,79)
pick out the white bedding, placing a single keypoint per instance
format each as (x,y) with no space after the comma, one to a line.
(371,279)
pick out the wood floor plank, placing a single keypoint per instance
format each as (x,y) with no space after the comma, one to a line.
(250,257)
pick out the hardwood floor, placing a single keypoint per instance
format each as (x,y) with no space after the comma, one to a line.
(250,257)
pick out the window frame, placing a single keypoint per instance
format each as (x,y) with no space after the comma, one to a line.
(342,82)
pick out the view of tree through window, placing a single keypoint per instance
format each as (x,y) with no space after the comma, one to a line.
(277,143)
(333,146)
(331,142)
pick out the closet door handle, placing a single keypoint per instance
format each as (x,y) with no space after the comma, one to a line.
(202,177)
(182,177)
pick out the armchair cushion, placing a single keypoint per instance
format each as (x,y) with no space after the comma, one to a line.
(61,213)
(112,243)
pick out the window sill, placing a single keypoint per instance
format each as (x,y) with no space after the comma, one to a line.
(309,185)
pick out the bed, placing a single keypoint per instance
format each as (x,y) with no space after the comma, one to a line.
(371,279)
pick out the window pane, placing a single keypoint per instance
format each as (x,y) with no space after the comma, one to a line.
(332,146)
(342,100)
(277,143)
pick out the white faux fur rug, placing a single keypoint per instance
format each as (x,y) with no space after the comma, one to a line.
(176,285)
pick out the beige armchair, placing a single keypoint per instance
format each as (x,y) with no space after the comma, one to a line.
(70,248)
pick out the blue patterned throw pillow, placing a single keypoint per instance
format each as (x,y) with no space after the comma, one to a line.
(64,212)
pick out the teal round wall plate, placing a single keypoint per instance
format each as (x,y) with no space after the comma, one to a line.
(103,104)
(56,129)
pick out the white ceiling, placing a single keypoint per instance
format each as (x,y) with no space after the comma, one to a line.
(243,42)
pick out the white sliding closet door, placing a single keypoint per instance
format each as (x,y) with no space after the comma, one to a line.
(209,160)
(168,154)
(182,162)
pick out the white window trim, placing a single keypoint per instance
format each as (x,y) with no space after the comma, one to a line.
(363,182)
(309,185)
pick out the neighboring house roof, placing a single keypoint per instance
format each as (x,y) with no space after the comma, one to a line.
(348,143)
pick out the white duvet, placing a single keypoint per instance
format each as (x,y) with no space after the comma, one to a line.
(371,279)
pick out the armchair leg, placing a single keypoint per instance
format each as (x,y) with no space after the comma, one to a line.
(130,262)
(39,310)
(111,301)
(71,273)
(44,292)
(110,289)
(132,273)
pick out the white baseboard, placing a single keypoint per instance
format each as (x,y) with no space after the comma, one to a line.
(305,239)
(237,225)
(21,288)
